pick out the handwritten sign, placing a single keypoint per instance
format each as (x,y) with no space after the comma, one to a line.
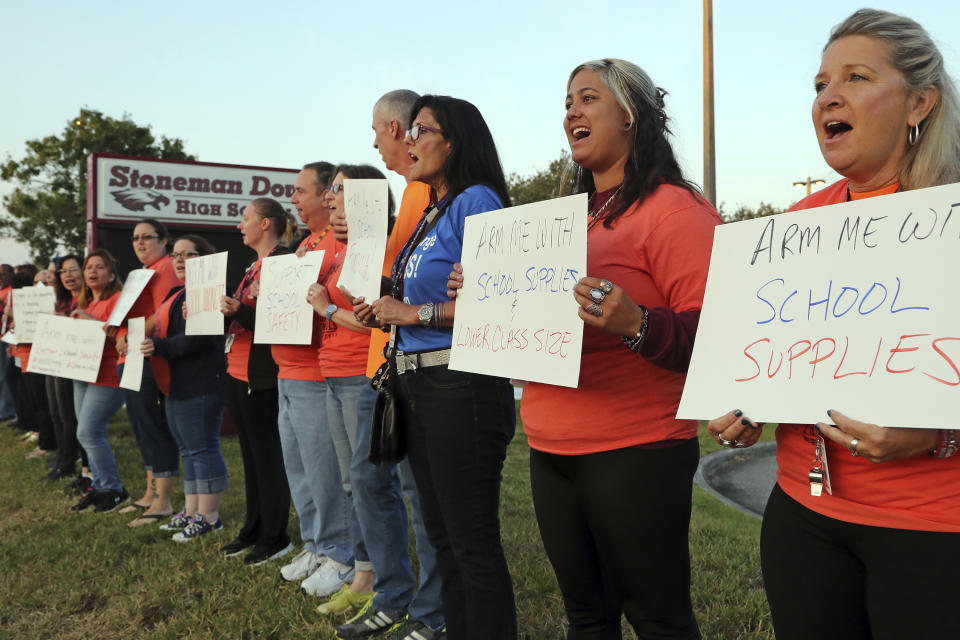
(205,282)
(136,282)
(283,314)
(67,348)
(846,307)
(29,303)
(516,315)
(365,203)
(133,365)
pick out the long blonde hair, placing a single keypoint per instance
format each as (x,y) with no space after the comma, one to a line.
(935,157)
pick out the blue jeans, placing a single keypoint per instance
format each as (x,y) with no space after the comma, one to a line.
(8,406)
(157,446)
(195,425)
(312,470)
(342,417)
(382,515)
(95,406)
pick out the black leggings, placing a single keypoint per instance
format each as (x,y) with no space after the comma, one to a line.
(36,410)
(829,579)
(60,399)
(265,479)
(615,526)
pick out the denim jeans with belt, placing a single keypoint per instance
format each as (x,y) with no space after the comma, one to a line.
(95,405)
(195,425)
(157,446)
(312,470)
(458,426)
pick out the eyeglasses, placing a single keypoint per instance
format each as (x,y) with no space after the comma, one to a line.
(145,237)
(336,188)
(415,131)
(71,270)
(183,255)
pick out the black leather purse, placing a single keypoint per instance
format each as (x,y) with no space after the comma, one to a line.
(387,442)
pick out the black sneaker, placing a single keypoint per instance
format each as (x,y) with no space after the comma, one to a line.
(413,629)
(109,500)
(59,474)
(89,499)
(80,486)
(370,622)
(262,553)
(235,548)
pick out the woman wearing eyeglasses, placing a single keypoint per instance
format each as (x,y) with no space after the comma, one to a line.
(457,425)
(151,243)
(68,284)
(194,402)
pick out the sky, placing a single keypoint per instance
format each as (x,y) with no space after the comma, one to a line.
(283,84)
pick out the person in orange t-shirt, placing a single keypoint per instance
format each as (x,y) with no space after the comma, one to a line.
(98,401)
(377,488)
(7,378)
(649,238)
(879,549)
(161,457)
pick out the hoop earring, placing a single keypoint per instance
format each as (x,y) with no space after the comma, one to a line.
(914,134)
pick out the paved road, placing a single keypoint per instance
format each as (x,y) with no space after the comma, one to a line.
(741,478)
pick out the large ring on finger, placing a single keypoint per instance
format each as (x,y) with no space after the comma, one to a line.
(594,309)
(853,447)
(738,445)
(606,286)
(597,296)
(724,443)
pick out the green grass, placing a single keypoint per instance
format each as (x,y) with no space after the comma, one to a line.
(87,576)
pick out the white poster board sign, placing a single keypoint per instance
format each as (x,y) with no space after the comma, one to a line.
(136,282)
(365,206)
(28,304)
(849,307)
(283,314)
(67,348)
(205,282)
(133,365)
(516,315)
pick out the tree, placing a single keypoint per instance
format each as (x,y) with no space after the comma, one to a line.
(542,185)
(746,213)
(48,208)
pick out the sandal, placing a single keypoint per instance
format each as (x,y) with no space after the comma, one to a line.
(147,518)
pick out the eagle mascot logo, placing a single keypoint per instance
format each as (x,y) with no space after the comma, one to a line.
(139,199)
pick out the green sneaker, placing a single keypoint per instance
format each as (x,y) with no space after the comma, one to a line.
(344,601)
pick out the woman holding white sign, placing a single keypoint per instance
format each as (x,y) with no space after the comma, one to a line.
(457,424)
(96,402)
(648,250)
(252,396)
(860,534)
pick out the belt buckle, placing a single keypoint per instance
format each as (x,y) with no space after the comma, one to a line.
(405,363)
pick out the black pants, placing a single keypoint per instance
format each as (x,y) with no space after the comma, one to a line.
(265,480)
(458,426)
(829,579)
(615,527)
(35,409)
(64,417)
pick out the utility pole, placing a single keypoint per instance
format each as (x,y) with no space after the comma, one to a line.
(810,182)
(709,142)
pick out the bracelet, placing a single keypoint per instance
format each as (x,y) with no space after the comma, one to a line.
(635,343)
(948,444)
(438,316)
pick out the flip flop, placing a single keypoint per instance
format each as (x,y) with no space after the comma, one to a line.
(133,508)
(148,518)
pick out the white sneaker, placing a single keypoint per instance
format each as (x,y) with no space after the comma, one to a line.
(328,579)
(302,565)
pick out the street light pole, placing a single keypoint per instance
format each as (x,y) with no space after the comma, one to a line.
(709,150)
(809,184)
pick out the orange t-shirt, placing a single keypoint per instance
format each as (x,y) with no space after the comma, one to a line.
(164,280)
(659,253)
(343,351)
(299,361)
(23,352)
(100,310)
(919,493)
(238,358)
(161,324)
(416,199)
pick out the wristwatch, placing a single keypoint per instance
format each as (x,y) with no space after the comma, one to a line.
(425,314)
(331,309)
